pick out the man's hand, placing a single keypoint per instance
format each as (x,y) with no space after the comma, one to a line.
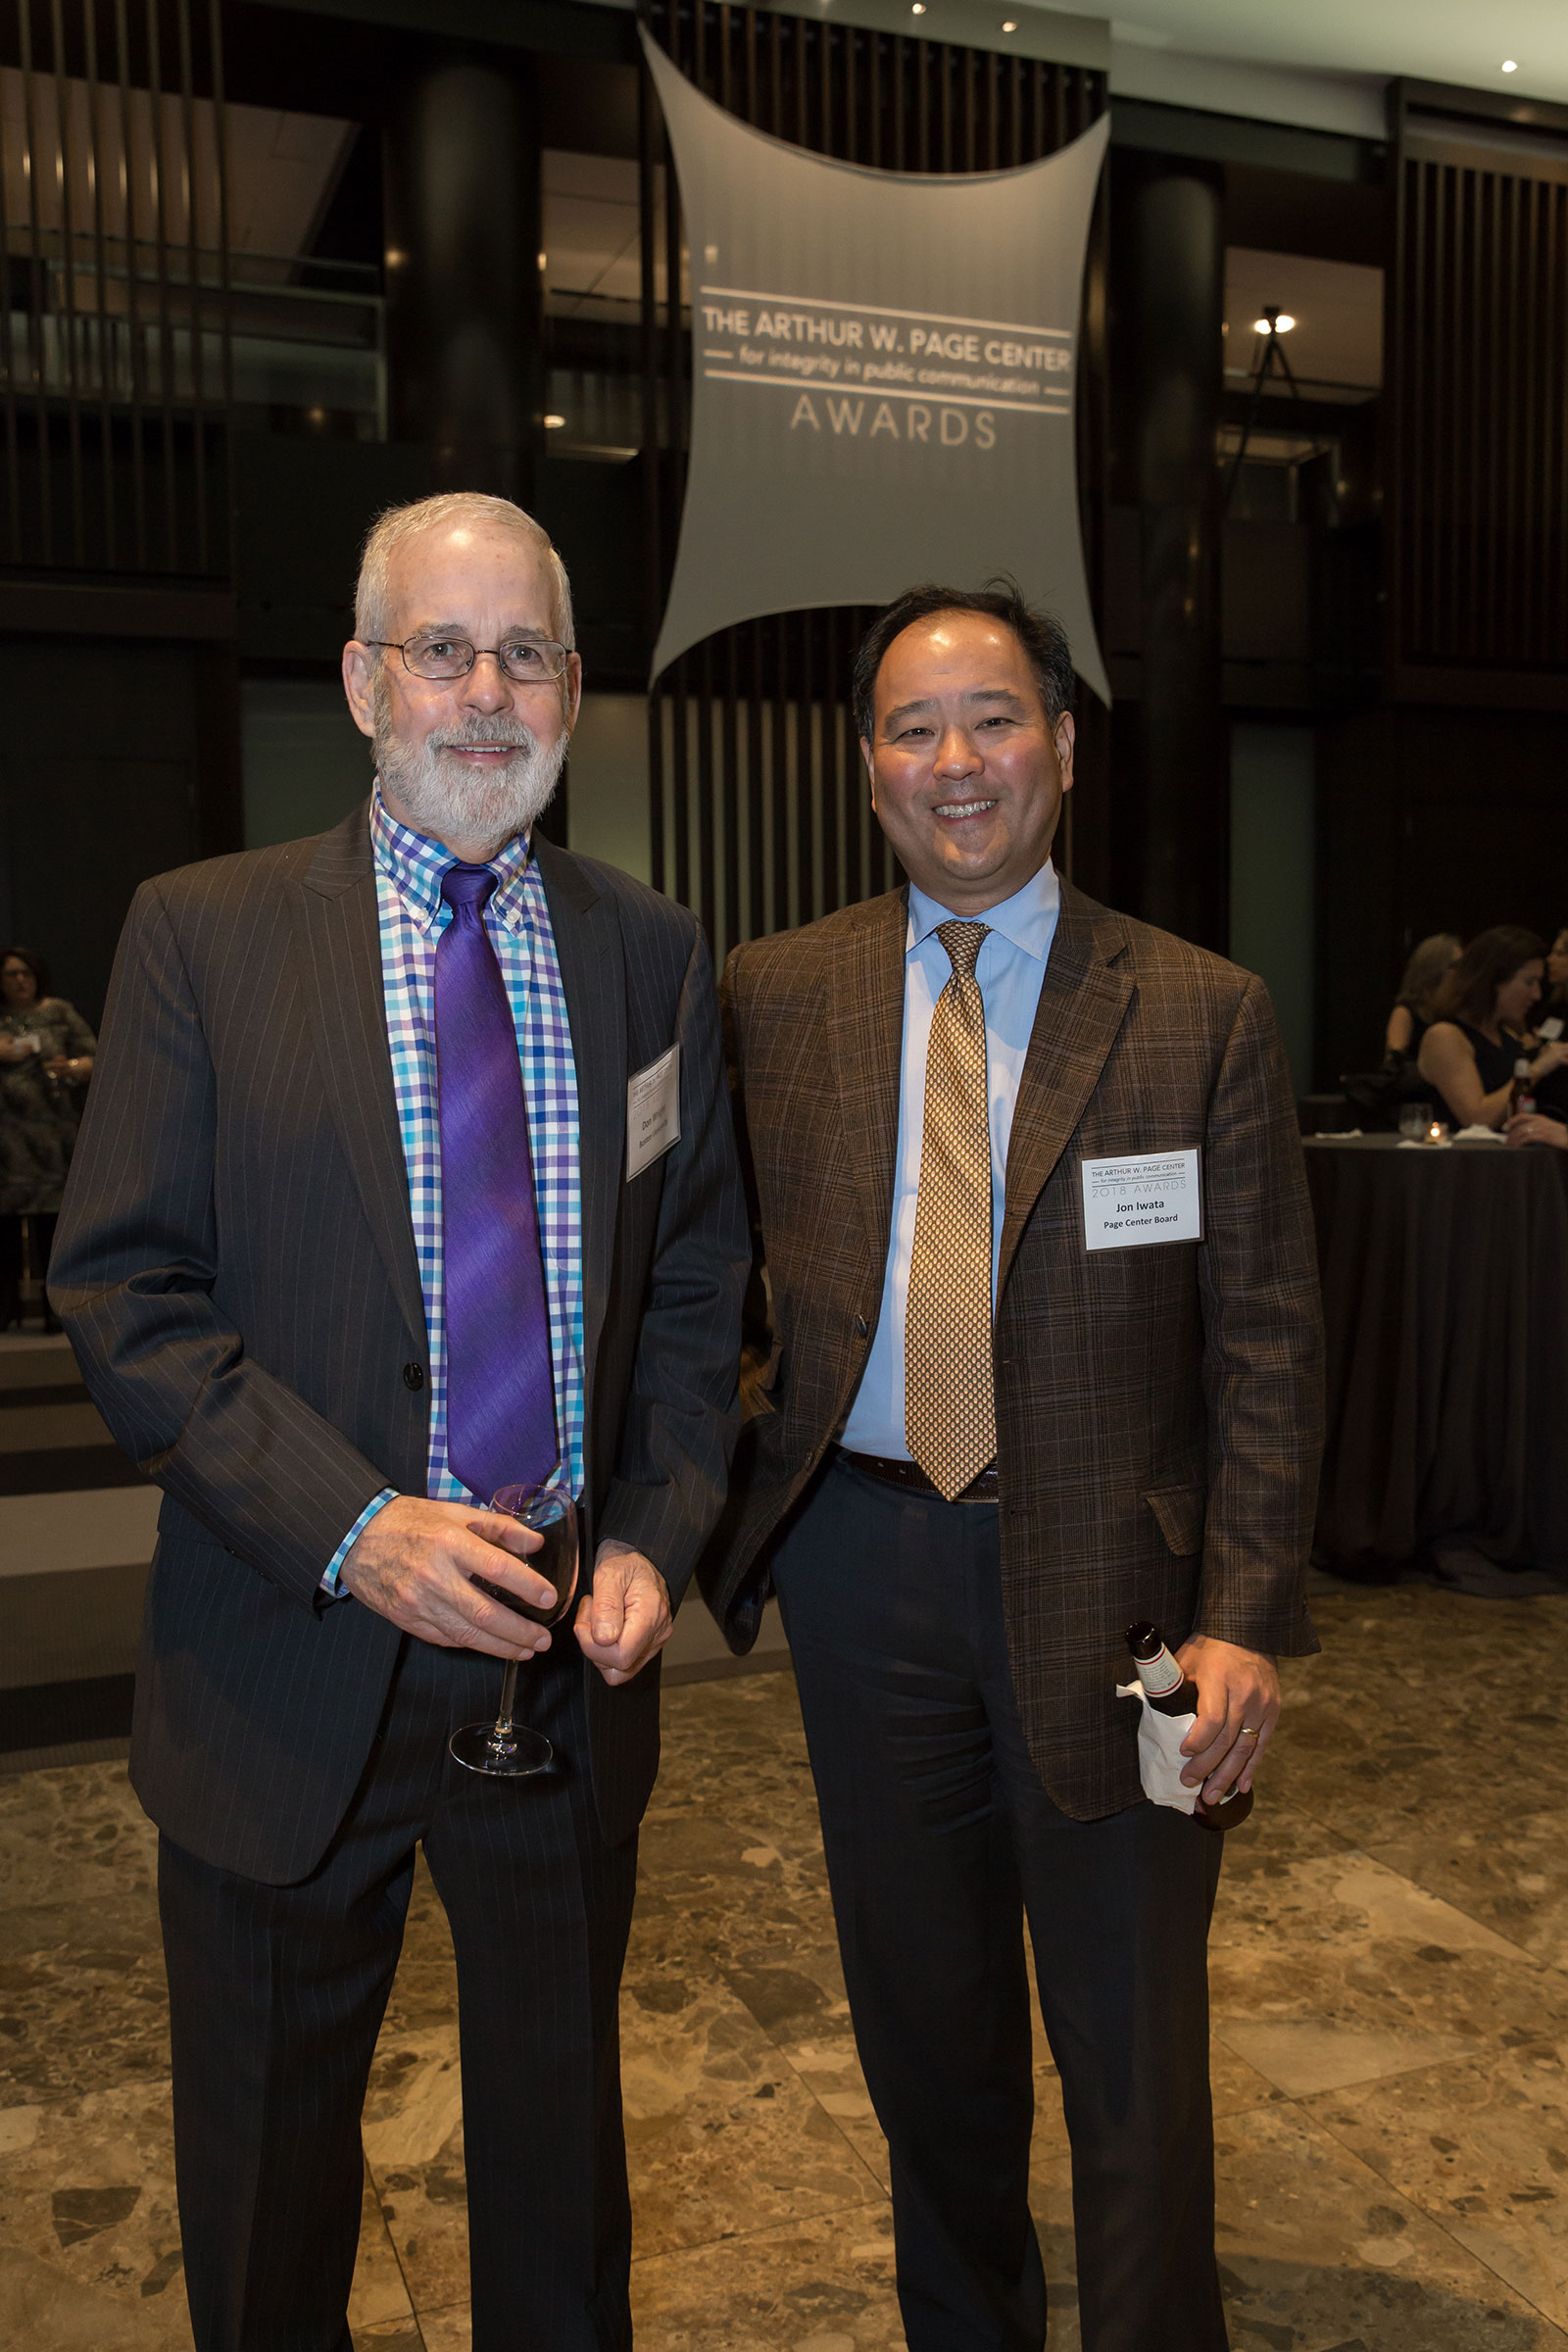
(627,1618)
(1235,1687)
(413,1564)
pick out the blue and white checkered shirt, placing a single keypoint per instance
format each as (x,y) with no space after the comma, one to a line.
(413,914)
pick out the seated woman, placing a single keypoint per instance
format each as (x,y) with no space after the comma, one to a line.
(1483,1028)
(1412,1013)
(1555,1002)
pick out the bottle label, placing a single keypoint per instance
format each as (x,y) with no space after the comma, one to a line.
(1158,1673)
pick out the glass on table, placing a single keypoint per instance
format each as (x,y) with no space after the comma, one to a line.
(1415,1121)
(506,1749)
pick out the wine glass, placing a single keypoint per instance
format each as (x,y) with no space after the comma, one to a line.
(504,1749)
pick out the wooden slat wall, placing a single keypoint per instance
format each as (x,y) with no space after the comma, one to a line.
(759,811)
(115,329)
(1479,473)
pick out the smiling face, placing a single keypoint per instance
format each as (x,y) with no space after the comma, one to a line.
(1516,995)
(470,762)
(967,771)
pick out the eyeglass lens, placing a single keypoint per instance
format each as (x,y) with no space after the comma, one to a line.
(520,657)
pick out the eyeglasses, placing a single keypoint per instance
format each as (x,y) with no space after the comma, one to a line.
(525,661)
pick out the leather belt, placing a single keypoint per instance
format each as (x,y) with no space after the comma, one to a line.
(893,1472)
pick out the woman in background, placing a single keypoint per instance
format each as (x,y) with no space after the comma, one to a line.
(46,1058)
(1412,1013)
(1554,1003)
(1483,1026)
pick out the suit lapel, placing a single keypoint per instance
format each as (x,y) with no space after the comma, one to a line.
(593,976)
(338,924)
(865,1040)
(1082,1003)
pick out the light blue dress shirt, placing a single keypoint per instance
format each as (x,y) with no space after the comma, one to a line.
(1010,969)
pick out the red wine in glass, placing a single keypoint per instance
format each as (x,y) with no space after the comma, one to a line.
(507,1750)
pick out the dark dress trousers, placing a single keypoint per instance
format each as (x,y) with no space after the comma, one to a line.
(1159,1419)
(235,1264)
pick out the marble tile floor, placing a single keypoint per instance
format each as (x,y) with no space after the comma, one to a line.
(1391,2040)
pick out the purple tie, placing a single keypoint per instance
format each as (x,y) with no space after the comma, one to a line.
(501,1393)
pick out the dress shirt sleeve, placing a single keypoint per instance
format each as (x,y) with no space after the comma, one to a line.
(334,1566)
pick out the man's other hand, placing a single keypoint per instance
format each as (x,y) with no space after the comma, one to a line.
(627,1618)
(1236,1689)
(414,1563)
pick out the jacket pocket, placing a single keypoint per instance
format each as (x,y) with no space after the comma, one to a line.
(1180,1511)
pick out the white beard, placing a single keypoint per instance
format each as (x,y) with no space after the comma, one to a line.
(446,799)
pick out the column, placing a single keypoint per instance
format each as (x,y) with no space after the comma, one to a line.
(465,298)
(1176,278)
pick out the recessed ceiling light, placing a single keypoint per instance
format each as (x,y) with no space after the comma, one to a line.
(918,10)
(1511,65)
(553,424)
(1009,25)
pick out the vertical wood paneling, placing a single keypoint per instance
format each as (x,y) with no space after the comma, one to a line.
(114,308)
(1477,481)
(770,826)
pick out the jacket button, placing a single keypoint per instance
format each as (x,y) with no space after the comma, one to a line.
(413,1376)
(861,1326)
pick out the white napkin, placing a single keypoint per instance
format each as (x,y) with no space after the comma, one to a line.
(1479,1135)
(1159,1752)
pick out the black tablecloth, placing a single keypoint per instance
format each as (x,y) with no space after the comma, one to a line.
(1445,1295)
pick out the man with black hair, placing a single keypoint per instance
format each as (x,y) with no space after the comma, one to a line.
(1018,1395)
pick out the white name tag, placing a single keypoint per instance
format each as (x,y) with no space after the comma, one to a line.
(1128,1203)
(653,1111)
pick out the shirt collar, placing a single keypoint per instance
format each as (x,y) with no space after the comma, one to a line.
(414,864)
(1026,920)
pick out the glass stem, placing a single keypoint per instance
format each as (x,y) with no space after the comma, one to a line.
(508,1695)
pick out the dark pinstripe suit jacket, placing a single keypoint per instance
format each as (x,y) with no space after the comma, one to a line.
(235,1265)
(1157,1410)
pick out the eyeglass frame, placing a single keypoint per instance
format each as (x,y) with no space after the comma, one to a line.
(390,645)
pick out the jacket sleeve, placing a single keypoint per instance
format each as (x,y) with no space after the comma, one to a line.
(133,1275)
(683,1415)
(1263,1349)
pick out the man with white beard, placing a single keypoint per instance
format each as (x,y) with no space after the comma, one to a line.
(407,1177)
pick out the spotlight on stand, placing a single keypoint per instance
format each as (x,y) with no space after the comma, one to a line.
(1271,322)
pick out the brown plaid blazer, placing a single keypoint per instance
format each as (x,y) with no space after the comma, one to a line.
(1159,1409)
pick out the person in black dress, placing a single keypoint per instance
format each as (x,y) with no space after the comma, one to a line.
(1431,960)
(1554,996)
(1483,1026)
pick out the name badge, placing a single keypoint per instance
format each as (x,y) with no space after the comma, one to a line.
(1130,1202)
(653,1112)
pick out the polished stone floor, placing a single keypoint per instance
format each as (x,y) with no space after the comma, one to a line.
(1391,2022)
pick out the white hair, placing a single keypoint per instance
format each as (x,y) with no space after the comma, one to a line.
(392,529)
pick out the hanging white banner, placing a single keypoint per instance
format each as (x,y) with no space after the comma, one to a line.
(884,366)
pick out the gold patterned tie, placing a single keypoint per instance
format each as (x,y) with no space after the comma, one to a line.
(949,1417)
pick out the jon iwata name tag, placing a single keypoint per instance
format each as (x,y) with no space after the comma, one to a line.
(1132,1202)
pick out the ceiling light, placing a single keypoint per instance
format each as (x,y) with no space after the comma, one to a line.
(1511,65)
(553,424)
(918,10)
(1009,25)
(1276,322)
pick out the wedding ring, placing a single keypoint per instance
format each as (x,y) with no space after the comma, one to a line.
(1248,1731)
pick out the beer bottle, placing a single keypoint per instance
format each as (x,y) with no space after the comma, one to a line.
(1169,1691)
